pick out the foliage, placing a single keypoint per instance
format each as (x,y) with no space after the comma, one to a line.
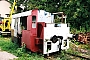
(23,54)
(63,56)
(77,11)
(48,5)
(7,45)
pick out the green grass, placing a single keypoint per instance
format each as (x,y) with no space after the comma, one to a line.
(22,54)
(83,46)
(7,45)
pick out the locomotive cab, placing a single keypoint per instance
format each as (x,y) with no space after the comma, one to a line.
(37,30)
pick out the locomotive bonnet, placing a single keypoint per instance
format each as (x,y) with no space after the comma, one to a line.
(39,32)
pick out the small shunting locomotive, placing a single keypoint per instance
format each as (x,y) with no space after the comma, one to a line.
(39,32)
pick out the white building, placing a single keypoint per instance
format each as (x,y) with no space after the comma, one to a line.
(4,8)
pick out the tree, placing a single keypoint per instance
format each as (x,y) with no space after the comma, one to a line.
(77,11)
(48,5)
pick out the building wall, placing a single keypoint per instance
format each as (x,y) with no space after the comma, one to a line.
(4,8)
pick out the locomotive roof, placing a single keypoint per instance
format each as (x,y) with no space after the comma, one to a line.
(22,14)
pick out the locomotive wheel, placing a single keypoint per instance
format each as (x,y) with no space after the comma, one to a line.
(54,39)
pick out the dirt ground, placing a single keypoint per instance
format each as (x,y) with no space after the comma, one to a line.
(6,56)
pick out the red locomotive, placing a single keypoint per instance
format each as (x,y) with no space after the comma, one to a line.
(37,30)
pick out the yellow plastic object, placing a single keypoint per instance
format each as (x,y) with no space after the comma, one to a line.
(6,22)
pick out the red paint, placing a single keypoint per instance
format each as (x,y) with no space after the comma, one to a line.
(33,37)
(40,29)
(26,37)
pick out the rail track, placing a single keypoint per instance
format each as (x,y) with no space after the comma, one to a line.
(82,54)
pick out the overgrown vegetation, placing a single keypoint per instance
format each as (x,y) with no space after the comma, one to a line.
(81,45)
(7,45)
(78,15)
(23,54)
(77,11)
